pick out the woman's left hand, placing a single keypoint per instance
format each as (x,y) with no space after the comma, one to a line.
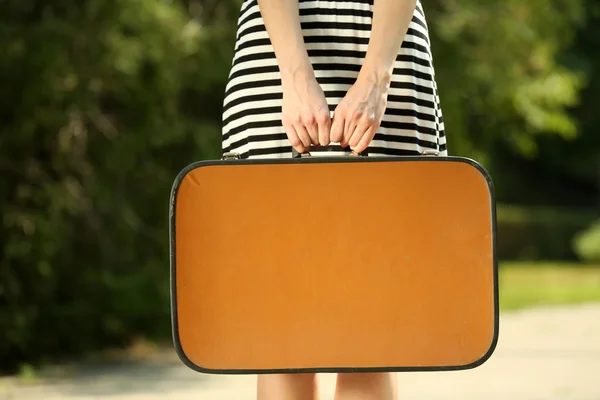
(358,116)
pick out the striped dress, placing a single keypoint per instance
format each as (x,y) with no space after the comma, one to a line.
(336,34)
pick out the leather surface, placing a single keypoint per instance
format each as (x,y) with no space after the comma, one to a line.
(334,265)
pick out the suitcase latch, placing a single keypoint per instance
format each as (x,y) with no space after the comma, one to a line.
(230,156)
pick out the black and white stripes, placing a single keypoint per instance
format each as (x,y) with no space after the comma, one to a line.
(336,34)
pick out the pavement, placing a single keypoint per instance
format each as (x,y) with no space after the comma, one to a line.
(542,354)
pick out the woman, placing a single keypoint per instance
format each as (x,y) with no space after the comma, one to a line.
(332,76)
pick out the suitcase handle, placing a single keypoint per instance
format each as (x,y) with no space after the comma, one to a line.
(297,154)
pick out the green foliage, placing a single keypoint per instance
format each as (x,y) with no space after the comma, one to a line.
(518,83)
(576,163)
(500,77)
(103,102)
(587,243)
(538,233)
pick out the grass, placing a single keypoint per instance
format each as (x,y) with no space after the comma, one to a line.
(525,285)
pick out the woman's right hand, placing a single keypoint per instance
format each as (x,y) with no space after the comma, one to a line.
(305,113)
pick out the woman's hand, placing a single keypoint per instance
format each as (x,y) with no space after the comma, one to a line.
(359,114)
(305,113)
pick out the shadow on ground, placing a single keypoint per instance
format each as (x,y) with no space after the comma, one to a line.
(161,373)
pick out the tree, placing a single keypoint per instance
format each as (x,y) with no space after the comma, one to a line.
(500,77)
(103,102)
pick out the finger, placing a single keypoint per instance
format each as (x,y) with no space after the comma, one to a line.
(324,126)
(337,128)
(310,124)
(349,129)
(292,135)
(303,135)
(358,133)
(362,127)
(365,140)
(313,132)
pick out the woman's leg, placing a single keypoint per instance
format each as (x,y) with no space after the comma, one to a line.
(287,387)
(367,386)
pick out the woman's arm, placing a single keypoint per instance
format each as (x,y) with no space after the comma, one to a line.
(305,113)
(359,114)
(282,20)
(391,19)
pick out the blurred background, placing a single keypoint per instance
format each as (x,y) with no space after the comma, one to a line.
(103,102)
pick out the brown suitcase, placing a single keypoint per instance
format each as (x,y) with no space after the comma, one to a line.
(334,264)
